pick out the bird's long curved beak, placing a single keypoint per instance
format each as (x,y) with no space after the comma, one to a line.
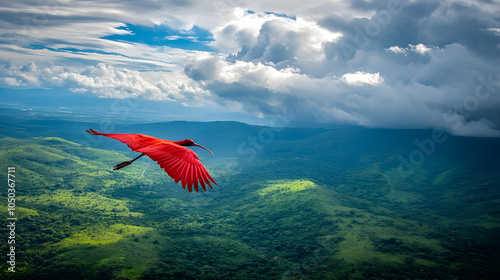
(203,148)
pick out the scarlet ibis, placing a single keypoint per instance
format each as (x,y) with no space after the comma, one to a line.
(180,163)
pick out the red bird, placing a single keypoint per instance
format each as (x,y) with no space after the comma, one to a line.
(180,163)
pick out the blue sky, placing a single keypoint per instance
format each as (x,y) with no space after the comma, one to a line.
(394,64)
(162,35)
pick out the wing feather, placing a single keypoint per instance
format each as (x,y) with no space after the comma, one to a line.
(133,141)
(202,180)
(204,177)
(185,173)
(180,174)
(190,176)
(195,177)
(180,163)
(183,184)
(173,167)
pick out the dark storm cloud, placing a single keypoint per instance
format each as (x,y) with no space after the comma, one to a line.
(441,51)
(427,22)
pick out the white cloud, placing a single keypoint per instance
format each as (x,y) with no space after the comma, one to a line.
(495,31)
(211,68)
(361,78)
(396,49)
(142,57)
(276,40)
(109,82)
(242,31)
(9,81)
(419,49)
(21,76)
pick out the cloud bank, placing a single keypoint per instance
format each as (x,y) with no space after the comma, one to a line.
(393,64)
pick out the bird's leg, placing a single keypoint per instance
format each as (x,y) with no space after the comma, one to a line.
(125,163)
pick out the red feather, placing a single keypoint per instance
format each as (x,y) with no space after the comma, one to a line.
(179,162)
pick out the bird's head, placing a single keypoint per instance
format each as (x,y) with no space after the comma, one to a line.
(189,142)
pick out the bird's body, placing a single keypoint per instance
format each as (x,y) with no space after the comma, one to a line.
(180,163)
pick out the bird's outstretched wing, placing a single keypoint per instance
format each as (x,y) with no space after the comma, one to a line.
(180,163)
(133,141)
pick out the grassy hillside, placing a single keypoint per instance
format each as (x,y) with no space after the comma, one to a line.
(310,204)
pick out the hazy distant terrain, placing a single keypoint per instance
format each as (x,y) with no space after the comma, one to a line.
(291,203)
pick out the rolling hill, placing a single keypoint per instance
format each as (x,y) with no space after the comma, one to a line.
(291,203)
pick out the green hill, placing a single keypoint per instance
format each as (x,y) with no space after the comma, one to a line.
(302,204)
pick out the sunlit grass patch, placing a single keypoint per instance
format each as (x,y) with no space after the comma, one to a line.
(287,186)
(84,202)
(41,154)
(100,235)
